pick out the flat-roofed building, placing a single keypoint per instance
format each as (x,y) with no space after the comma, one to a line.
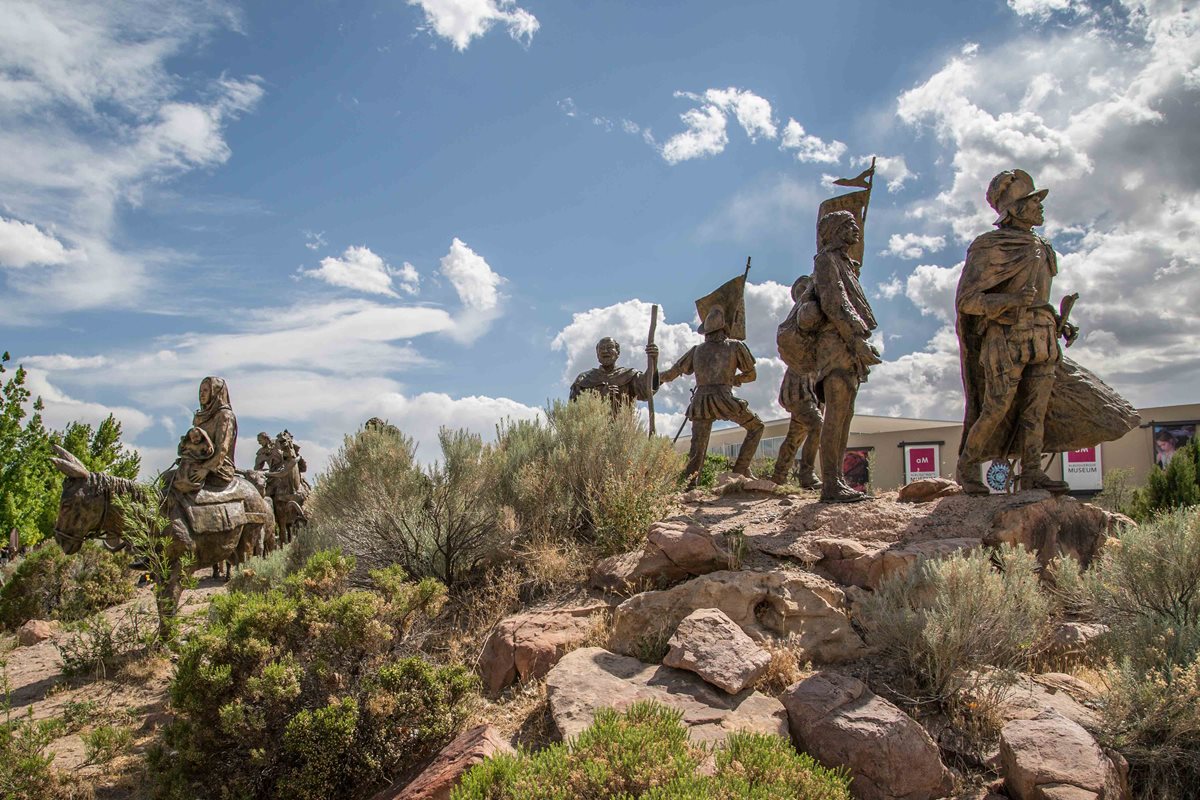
(897,450)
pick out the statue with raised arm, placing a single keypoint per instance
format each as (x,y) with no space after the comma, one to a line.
(621,386)
(719,364)
(842,356)
(1023,396)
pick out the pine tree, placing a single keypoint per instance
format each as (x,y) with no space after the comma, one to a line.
(26,473)
(1177,486)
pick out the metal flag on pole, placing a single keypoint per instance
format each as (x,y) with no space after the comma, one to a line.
(854,202)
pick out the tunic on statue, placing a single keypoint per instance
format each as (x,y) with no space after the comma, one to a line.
(621,385)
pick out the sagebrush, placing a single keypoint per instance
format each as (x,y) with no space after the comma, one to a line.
(49,584)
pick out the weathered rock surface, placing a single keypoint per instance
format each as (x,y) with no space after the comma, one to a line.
(840,722)
(710,644)
(675,550)
(804,607)
(1030,697)
(928,489)
(525,646)
(35,631)
(860,543)
(1049,756)
(1075,641)
(438,780)
(591,678)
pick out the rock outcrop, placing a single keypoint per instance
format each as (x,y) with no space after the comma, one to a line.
(438,780)
(807,609)
(525,646)
(35,631)
(838,721)
(591,678)
(927,489)
(710,644)
(1049,757)
(675,550)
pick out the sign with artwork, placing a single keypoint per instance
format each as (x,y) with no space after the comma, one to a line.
(921,461)
(1081,469)
(1169,437)
(856,466)
(996,475)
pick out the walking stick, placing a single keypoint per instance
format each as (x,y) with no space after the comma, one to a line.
(651,367)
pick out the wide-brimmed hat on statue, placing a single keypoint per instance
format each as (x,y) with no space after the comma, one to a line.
(714,320)
(1009,188)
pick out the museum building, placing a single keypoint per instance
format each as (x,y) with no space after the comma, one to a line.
(889,452)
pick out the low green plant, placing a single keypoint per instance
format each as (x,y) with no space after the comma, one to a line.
(147,532)
(311,690)
(261,573)
(644,753)
(49,584)
(714,465)
(25,766)
(735,540)
(652,646)
(105,742)
(1116,495)
(99,647)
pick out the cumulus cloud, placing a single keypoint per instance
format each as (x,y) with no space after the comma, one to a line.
(364,271)
(913,245)
(809,148)
(893,169)
(22,244)
(931,289)
(462,21)
(890,288)
(92,117)
(706,125)
(478,287)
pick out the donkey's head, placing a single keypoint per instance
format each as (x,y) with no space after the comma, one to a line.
(85,510)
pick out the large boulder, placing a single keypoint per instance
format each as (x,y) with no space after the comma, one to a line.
(840,722)
(805,608)
(1055,526)
(525,646)
(1031,696)
(591,678)
(710,644)
(438,780)
(1049,757)
(675,550)
(36,631)
(868,569)
(928,489)
(1073,642)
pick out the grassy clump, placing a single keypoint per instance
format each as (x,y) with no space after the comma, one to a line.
(310,690)
(49,584)
(645,753)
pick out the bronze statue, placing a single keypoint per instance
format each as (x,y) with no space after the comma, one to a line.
(798,392)
(719,364)
(267,457)
(622,386)
(841,355)
(1023,396)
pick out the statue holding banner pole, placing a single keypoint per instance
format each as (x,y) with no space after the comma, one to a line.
(721,363)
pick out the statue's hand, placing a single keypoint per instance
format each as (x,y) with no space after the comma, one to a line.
(1023,299)
(1070,332)
(652,351)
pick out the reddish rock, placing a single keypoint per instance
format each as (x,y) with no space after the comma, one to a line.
(927,489)
(675,550)
(524,647)
(438,780)
(710,644)
(840,722)
(1055,526)
(1050,757)
(36,631)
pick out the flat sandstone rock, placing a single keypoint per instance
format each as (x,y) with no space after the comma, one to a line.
(710,644)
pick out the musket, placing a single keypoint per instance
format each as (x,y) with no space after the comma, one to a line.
(1064,312)
(651,366)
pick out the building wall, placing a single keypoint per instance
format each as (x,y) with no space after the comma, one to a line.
(1134,451)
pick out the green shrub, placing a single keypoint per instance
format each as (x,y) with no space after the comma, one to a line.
(645,753)
(1117,495)
(49,584)
(260,573)
(304,691)
(105,742)
(948,618)
(1147,590)
(99,647)
(714,465)
(1173,487)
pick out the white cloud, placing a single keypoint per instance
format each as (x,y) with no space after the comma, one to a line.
(913,245)
(22,244)
(809,148)
(705,135)
(62,362)
(421,416)
(364,271)
(931,289)
(315,241)
(461,21)
(93,116)
(567,106)
(752,112)
(890,288)
(478,287)
(784,206)
(892,169)
(1041,8)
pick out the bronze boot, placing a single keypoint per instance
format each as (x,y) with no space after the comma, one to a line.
(967,476)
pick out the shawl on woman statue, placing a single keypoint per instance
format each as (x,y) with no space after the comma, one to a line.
(216,418)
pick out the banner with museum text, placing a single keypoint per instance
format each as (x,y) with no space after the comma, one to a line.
(921,461)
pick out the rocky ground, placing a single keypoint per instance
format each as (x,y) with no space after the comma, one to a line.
(133,700)
(698,617)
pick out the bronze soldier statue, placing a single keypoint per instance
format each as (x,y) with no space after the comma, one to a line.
(842,355)
(798,396)
(621,385)
(1011,331)
(719,364)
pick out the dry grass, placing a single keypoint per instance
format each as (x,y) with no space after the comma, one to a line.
(522,715)
(784,670)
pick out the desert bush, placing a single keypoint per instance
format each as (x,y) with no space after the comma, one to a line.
(49,584)
(1147,590)
(949,624)
(309,540)
(714,465)
(1116,495)
(645,753)
(310,690)
(105,742)
(99,647)
(261,573)
(1170,488)
(599,478)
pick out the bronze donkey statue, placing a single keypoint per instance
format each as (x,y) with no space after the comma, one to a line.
(227,525)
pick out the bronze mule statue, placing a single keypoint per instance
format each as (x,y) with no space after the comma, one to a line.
(229,525)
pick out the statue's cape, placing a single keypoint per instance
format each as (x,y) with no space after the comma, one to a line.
(1084,411)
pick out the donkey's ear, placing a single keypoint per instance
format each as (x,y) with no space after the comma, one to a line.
(72,468)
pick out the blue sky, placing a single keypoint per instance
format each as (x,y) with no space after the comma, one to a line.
(430,210)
